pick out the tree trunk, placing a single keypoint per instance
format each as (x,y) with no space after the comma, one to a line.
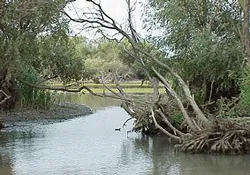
(245,32)
(10,94)
(2,2)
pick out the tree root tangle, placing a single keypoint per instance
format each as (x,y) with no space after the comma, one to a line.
(220,136)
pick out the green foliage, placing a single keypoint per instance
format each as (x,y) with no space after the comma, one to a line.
(199,94)
(37,34)
(140,66)
(35,46)
(177,116)
(245,93)
(140,123)
(59,58)
(236,107)
(200,39)
(226,108)
(31,97)
(22,22)
(105,58)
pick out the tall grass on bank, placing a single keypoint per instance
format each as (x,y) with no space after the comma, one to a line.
(31,97)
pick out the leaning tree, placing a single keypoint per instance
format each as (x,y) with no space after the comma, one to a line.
(198,132)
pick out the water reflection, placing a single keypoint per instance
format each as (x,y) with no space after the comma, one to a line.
(5,165)
(159,157)
(88,99)
(90,145)
(18,137)
(214,164)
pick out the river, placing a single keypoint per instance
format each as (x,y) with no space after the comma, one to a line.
(90,145)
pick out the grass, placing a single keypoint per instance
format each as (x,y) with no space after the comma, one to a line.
(128,87)
(125,85)
(127,90)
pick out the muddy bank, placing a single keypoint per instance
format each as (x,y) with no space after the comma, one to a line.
(55,113)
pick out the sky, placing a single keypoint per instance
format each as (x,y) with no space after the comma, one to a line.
(117,9)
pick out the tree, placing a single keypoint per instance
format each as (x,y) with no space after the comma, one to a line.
(201,134)
(34,35)
(104,60)
(203,39)
(245,30)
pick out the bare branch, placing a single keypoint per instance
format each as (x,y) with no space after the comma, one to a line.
(105,86)
(100,20)
(96,22)
(175,130)
(131,27)
(151,79)
(124,124)
(66,89)
(104,21)
(184,86)
(118,85)
(102,11)
(162,129)
(69,90)
(5,98)
(179,103)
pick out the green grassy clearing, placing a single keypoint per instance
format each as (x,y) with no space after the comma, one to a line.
(128,87)
(127,90)
(93,85)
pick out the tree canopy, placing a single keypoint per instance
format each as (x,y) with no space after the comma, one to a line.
(35,36)
(203,41)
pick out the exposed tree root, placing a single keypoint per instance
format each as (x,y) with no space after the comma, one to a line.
(220,136)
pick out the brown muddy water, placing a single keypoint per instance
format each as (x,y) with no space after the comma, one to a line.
(90,145)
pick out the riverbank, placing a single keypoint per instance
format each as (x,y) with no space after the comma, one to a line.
(55,113)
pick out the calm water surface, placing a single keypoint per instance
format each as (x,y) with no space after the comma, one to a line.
(90,146)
